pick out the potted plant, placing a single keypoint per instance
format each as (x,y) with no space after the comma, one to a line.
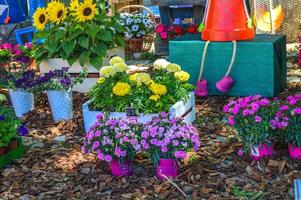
(16,77)
(287,120)
(120,94)
(80,34)
(10,129)
(115,141)
(139,29)
(15,53)
(168,140)
(58,85)
(250,117)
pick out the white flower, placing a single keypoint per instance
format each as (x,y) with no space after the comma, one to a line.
(137,20)
(128,35)
(145,21)
(161,64)
(135,28)
(142,32)
(129,21)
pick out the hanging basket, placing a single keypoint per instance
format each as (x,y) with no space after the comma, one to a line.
(143,44)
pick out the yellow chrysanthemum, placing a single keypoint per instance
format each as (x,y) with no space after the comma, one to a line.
(158,89)
(101,81)
(57,12)
(160,64)
(116,60)
(121,89)
(86,11)
(154,97)
(107,71)
(73,5)
(40,18)
(182,76)
(121,67)
(140,78)
(171,67)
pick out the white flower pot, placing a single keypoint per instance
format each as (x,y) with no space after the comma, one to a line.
(23,102)
(58,63)
(180,109)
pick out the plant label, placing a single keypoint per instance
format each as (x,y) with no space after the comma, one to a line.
(255,151)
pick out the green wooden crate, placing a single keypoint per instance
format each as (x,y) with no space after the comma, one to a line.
(260,65)
(12,155)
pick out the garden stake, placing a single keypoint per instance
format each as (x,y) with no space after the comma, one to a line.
(225,84)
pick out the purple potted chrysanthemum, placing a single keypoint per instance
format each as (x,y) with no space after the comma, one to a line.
(115,141)
(250,117)
(168,140)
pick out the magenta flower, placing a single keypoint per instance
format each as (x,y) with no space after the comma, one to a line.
(297,111)
(258,119)
(231,120)
(108,158)
(95,145)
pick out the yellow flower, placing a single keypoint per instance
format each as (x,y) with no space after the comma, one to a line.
(160,64)
(116,60)
(86,11)
(121,89)
(182,76)
(173,67)
(40,18)
(101,80)
(158,89)
(120,67)
(154,97)
(140,78)
(57,12)
(107,71)
(73,5)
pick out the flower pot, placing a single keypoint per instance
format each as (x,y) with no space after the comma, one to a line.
(121,169)
(2,151)
(225,84)
(201,88)
(259,151)
(23,102)
(61,104)
(12,145)
(294,151)
(168,168)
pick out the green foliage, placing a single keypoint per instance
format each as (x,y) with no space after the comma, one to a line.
(242,194)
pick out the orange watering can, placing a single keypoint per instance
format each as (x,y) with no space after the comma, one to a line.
(227,20)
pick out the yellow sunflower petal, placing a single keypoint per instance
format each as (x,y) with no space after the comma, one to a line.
(86,11)
(40,19)
(57,12)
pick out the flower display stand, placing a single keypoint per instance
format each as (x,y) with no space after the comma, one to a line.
(180,109)
(12,155)
(259,68)
(58,63)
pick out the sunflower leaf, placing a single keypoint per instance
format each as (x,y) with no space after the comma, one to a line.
(105,35)
(84,58)
(97,62)
(84,42)
(68,47)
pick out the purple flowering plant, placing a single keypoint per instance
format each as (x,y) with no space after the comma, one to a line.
(250,116)
(113,139)
(167,137)
(287,120)
(15,53)
(10,126)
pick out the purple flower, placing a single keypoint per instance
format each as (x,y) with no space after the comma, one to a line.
(164,114)
(23,131)
(231,120)
(180,154)
(100,155)
(175,143)
(2,118)
(297,111)
(97,133)
(144,134)
(123,153)
(28,45)
(245,112)
(164,149)
(108,158)
(258,119)
(100,116)
(284,108)
(95,145)
(117,151)
(66,82)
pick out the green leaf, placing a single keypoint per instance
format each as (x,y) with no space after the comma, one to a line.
(97,62)
(68,47)
(59,35)
(71,60)
(101,49)
(92,31)
(105,35)
(84,58)
(84,42)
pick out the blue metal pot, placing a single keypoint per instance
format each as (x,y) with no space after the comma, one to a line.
(23,102)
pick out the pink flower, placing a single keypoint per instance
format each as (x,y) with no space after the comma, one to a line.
(6,46)
(28,45)
(95,145)
(175,143)
(258,119)
(100,155)
(231,120)
(164,149)
(240,153)
(226,109)
(160,28)
(245,112)
(170,28)
(297,111)
(164,35)
(97,133)
(108,158)
(284,108)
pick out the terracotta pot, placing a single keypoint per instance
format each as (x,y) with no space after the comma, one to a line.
(294,151)
(12,145)
(167,167)
(2,151)
(259,151)
(121,169)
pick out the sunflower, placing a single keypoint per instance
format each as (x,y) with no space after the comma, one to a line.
(57,11)
(40,19)
(86,11)
(73,5)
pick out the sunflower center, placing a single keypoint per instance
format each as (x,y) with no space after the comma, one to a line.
(87,11)
(42,18)
(60,14)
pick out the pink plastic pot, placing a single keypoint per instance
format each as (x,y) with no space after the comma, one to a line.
(294,151)
(260,151)
(225,84)
(167,167)
(201,88)
(121,169)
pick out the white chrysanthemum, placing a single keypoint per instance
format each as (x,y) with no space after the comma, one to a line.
(135,28)
(145,21)
(137,20)
(129,21)
(128,35)
(160,64)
